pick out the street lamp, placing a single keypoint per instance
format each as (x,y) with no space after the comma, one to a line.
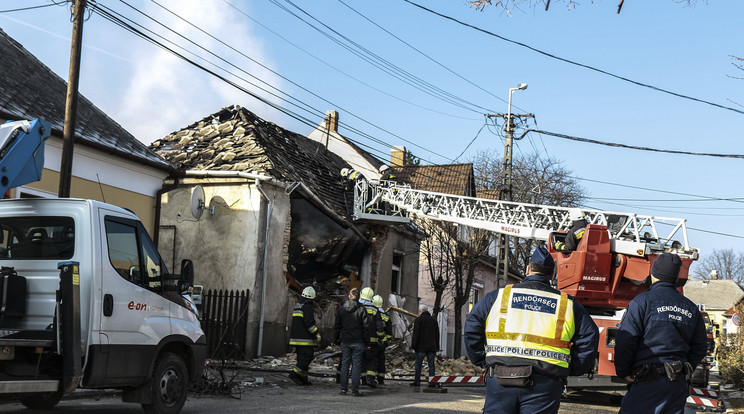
(505,192)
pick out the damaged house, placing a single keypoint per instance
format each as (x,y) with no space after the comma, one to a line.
(258,207)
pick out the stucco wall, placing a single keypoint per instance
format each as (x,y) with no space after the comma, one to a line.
(227,248)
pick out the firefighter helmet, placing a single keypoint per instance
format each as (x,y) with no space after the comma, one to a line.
(377,301)
(384,168)
(344,172)
(308,292)
(367,294)
(576,214)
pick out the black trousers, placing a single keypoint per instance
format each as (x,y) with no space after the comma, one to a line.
(369,366)
(305,356)
(381,360)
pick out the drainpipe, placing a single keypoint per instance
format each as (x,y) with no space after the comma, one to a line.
(259,351)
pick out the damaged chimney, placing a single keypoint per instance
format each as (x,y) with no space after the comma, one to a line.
(398,156)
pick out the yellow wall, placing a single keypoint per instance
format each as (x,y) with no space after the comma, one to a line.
(142,205)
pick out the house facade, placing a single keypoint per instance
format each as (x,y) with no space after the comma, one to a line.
(274,218)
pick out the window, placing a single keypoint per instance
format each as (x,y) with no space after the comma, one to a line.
(37,238)
(133,254)
(397,274)
(475,294)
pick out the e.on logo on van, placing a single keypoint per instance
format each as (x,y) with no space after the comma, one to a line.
(143,307)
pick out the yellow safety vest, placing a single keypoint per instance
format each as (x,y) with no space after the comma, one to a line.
(531,324)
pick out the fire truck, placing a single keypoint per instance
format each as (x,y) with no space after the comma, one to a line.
(609,268)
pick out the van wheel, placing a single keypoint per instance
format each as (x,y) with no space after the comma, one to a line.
(42,401)
(170,382)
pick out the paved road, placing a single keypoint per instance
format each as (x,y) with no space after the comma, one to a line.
(278,395)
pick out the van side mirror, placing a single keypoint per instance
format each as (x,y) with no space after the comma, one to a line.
(186,279)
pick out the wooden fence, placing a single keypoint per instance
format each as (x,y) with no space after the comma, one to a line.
(224,319)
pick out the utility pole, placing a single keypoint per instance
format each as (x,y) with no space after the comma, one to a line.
(68,135)
(505,187)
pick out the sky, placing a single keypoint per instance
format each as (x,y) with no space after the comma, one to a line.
(402,75)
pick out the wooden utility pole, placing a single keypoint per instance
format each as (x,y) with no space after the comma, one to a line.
(505,189)
(68,135)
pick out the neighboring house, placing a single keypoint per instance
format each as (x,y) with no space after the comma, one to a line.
(716,297)
(109,164)
(455,179)
(275,218)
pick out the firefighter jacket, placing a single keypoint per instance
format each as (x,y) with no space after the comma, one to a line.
(660,325)
(351,323)
(573,237)
(388,327)
(303,332)
(532,324)
(375,328)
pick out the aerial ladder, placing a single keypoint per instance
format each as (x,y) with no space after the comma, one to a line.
(611,265)
(22,152)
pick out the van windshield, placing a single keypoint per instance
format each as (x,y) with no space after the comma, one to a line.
(37,238)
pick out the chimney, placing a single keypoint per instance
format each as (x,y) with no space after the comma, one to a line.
(398,156)
(331,121)
(714,274)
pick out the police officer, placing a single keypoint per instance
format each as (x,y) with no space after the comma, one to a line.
(375,330)
(660,341)
(530,337)
(303,335)
(575,233)
(384,340)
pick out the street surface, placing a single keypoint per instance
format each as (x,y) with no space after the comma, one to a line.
(279,395)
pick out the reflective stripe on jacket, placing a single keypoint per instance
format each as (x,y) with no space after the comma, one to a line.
(532,325)
(303,332)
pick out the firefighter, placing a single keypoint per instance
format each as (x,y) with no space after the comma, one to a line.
(304,335)
(384,340)
(660,341)
(575,233)
(350,177)
(386,174)
(375,329)
(530,337)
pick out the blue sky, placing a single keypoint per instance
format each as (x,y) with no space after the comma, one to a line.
(686,50)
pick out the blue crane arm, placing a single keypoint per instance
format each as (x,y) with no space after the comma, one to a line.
(22,152)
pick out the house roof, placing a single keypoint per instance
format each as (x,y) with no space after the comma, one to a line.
(235,139)
(31,90)
(714,294)
(456,179)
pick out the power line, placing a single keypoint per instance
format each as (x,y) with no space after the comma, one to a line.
(26,8)
(604,72)
(324,62)
(427,56)
(617,145)
(736,200)
(381,63)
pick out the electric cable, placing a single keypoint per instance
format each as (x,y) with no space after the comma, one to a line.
(604,72)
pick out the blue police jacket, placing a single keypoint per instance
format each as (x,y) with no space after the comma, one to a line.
(660,325)
(585,339)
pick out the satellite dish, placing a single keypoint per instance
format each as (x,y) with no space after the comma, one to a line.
(197,201)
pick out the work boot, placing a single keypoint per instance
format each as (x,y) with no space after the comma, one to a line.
(371,381)
(306,381)
(296,378)
(381,380)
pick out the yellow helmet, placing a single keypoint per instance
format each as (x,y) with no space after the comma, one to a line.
(377,301)
(367,294)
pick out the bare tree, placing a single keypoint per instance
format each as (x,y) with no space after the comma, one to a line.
(727,263)
(437,250)
(508,5)
(472,248)
(535,180)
